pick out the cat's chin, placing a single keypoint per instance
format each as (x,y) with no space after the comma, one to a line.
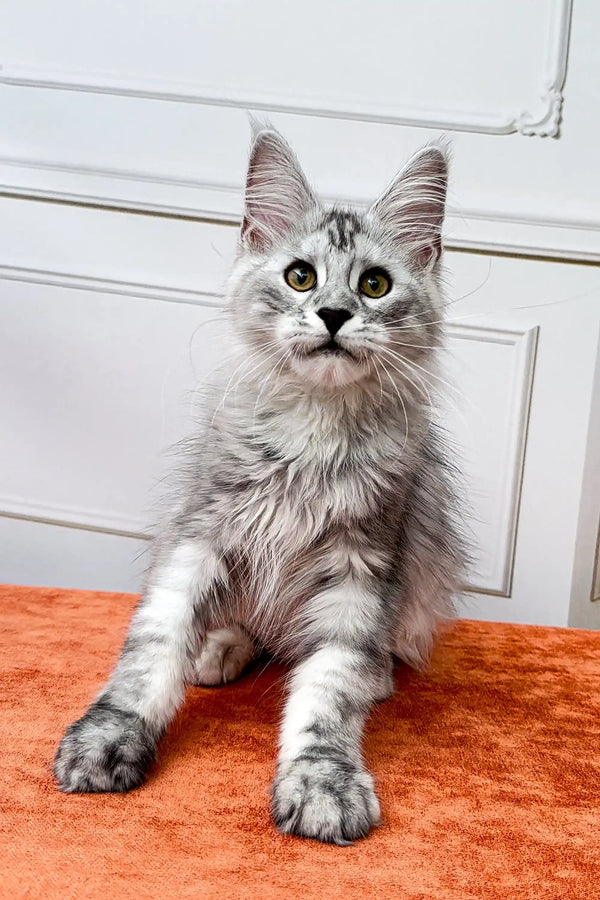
(328,370)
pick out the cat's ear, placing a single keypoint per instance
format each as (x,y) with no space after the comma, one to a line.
(412,207)
(277,192)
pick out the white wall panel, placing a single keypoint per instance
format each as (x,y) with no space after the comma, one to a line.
(335,60)
(98,375)
(483,67)
(96,385)
(48,555)
(124,134)
(490,371)
(164,254)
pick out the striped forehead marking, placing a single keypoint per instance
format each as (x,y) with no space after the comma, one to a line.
(342,228)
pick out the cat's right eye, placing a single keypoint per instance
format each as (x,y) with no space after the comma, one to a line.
(301,276)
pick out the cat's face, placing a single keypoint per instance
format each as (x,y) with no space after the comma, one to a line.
(335,296)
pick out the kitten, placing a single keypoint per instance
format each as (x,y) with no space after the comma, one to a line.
(315,517)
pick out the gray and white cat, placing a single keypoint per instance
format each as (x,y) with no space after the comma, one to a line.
(315,518)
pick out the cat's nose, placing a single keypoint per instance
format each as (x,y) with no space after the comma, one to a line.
(334,318)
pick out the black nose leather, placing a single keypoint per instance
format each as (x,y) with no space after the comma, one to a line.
(334,318)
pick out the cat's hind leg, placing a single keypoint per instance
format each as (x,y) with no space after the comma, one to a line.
(224,655)
(433,560)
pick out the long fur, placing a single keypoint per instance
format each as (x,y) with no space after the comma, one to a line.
(315,515)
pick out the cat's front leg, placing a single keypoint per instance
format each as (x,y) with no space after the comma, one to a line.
(322,789)
(112,746)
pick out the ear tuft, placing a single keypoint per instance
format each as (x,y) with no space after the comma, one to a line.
(412,207)
(277,192)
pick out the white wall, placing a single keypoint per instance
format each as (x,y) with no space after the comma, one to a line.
(124,143)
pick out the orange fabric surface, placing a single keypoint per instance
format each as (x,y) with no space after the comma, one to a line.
(488,769)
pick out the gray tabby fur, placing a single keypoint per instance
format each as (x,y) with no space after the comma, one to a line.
(315,516)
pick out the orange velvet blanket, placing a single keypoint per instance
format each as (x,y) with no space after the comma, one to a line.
(487,765)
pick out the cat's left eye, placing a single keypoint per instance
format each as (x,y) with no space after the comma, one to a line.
(375,283)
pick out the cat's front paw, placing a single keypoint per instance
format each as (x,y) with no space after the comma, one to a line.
(108,749)
(326,797)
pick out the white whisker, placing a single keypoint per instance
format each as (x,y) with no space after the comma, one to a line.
(423,388)
(394,385)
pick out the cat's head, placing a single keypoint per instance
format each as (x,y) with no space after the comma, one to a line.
(334,296)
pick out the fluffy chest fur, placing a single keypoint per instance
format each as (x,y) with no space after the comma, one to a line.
(301,464)
(299,492)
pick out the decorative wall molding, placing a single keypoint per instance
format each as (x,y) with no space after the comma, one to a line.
(543,120)
(70,517)
(497,580)
(496,576)
(105,521)
(490,230)
(110,286)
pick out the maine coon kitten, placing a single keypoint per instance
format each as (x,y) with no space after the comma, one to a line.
(315,518)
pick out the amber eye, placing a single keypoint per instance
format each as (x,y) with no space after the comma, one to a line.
(301,276)
(375,283)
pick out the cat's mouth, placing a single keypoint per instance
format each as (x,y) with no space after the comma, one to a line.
(331,348)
